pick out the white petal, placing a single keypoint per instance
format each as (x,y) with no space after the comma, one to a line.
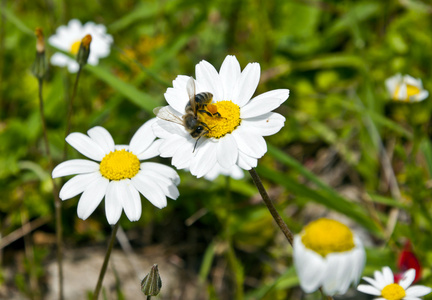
(246,162)
(113,206)
(266,124)
(180,82)
(309,266)
(209,80)
(338,273)
(75,166)
(85,146)
(182,158)
(59,59)
(166,184)
(420,96)
(72,66)
(143,138)
(250,143)
(392,83)
(170,145)
(407,279)
(367,289)
(402,93)
(77,185)
(227,151)
(413,81)
(388,275)
(131,199)
(102,138)
(264,103)
(91,197)
(163,170)
(149,189)
(151,151)
(379,277)
(418,291)
(229,73)
(177,99)
(205,158)
(246,84)
(373,282)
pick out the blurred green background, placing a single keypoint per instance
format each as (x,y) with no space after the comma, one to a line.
(343,143)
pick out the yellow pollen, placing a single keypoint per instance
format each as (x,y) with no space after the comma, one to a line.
(411,91)
(120,164)
(393,292)
(228,120)
(75,47)
(326,236)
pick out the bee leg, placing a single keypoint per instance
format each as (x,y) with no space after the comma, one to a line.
(206,112)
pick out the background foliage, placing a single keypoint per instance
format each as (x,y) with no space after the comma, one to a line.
(327,161)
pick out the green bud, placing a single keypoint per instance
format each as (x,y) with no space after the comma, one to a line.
(152,283)
(84,50)
(39,66)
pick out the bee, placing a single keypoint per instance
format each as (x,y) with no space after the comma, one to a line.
(190,120)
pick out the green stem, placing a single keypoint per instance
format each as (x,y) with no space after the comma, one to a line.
(282,225)
(55,190)
(105,263)
(69,112)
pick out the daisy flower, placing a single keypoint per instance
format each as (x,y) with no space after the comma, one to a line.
(385,288)
(116,173)
(406,88)
(327,254)
(68,38)
(235,123)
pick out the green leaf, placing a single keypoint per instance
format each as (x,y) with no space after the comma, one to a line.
(136,96)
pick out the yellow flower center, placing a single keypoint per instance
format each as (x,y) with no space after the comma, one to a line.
(228,120)
(75,47)
(393,292)
(120,164)
(411,91)
(325,236)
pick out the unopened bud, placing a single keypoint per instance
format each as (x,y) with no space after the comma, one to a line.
(39,65)
(152,283)
(84,50)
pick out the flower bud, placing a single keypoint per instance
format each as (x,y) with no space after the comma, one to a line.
(39,66)
(84,50)
(152,283)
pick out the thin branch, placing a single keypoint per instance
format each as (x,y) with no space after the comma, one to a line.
(105,263)
(288,234)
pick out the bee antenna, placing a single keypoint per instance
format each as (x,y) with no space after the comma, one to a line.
(196,143)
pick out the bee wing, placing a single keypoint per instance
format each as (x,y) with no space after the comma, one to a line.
(165,113)
(190,87)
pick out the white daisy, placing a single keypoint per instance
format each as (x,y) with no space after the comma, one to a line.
(383,285)
(406,88)
(234,123)
(68,38)
(116,173)
(328,255)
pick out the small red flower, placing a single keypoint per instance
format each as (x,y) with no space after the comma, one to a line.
(408,260)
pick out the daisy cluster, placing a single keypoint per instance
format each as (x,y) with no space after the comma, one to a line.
(223,135)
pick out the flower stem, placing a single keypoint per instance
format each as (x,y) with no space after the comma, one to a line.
(69,112)
(105,263)
(57,202)
(282,225)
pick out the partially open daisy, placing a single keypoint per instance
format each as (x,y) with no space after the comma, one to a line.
(327,254)
(235,124)
(385,288)
(406,88)
(68,38)
(117,174)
